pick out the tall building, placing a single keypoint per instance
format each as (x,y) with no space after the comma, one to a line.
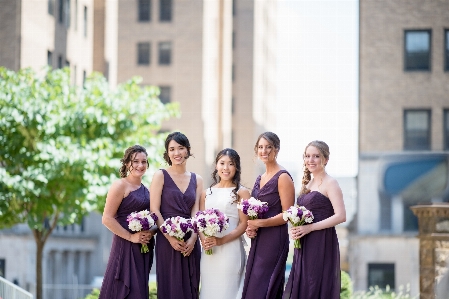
(216,58)
(404,125)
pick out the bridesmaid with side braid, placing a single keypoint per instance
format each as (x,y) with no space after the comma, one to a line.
(315,270)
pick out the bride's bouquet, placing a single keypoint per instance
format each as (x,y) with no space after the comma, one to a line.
(297,215)
(254,208)
(210,222)
(178,227)
(139,221)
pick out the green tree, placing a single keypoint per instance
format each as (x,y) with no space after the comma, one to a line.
(60,145)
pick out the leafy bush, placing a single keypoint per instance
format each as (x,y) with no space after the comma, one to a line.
(346,286)
(378,293)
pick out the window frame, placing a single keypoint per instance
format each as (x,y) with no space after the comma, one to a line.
(163,62)
(162,17)
(139,19)
(170,92)
(373,266)
(429,129)
(139,62)
(407,69)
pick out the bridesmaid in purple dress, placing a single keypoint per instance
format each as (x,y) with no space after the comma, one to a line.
(176,192)
(265,268)
(315,270)
(128,269)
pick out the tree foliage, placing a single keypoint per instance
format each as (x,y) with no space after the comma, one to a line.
(60,144)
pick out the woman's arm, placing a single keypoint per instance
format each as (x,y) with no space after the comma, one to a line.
(155,206)
(336,197)
(190,243)
(287,195)
(210,242)
(114,198)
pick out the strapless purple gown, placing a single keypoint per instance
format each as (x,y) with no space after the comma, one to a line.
(264,277)
(128,269)
(315,270)
(178,277)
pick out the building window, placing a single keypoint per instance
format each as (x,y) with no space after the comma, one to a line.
(144,10)
(61,11)
(165,94)
(74,75)
(59,62)
(49,58)
(2,268)
(417,130)
(417,50)
(446,129)
(381,275)
(165,53)
(233,39)
(85,21)
(143,53)
(446,50)
(234,8)
(165,10)
(51,7)
(233,73)
(84,77)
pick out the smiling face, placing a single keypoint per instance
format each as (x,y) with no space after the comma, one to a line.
(226,168)
(314,160)
(265,150)
(177,153)
(138,164)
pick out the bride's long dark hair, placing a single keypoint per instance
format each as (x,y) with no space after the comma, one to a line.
(235,158)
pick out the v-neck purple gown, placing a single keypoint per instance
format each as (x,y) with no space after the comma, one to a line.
(265,269)
(178,277)
(315,270)
(128,269)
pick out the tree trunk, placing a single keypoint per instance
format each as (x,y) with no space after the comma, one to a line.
(39,253)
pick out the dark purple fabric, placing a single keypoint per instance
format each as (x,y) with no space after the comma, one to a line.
(315,270)
(264,277)
(128,269)
(178,277)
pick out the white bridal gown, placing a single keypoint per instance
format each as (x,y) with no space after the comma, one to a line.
(222,273)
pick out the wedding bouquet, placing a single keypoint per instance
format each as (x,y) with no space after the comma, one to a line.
(178,227)
(139,221)
(252,207)
(210,222)
(297,215)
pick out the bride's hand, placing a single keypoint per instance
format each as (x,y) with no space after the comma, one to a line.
(210,242)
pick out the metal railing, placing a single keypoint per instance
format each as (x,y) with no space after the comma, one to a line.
(8,290)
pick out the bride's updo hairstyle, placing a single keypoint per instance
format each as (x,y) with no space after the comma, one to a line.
(272,139)
(180,139)
(235,158)
(324,151)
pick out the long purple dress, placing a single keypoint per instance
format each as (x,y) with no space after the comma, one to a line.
(178,277)
(265,268)
(128,269)
(315,270)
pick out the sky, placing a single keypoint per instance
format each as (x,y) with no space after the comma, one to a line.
(317,88)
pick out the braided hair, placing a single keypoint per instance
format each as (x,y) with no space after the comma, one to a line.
(324,150)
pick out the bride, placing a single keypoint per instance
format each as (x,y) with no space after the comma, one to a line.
(222,272)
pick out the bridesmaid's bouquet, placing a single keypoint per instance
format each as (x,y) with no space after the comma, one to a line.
(178,227)
(254,208)
(210,222)
(139,221)
(297,215)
